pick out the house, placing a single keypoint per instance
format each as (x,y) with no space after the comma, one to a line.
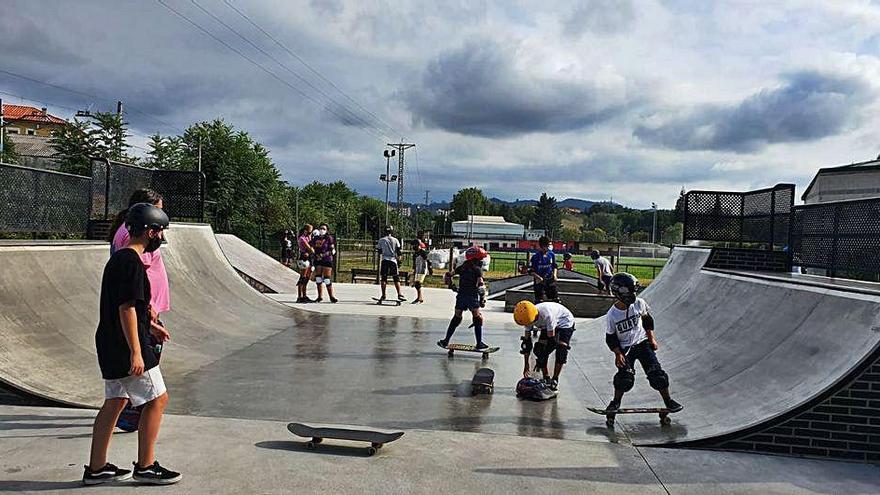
(30,121)
(489,232)
(854,181)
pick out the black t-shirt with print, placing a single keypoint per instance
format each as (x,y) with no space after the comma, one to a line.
(125,280)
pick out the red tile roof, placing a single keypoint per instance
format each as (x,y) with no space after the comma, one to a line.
(30,114)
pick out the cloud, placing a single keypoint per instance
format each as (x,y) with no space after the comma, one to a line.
(480,90)
(601,17)
(810,105)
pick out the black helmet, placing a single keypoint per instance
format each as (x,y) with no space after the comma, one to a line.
(624,287)
(144,216)
(594,254)
(388,229)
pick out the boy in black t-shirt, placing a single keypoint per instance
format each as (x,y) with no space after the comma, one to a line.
(471,295)
(128,362)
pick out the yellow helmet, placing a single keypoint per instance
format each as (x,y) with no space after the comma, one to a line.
(525,313)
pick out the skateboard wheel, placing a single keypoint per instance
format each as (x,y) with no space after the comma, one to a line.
(377,445)
(371,450)
(317,440)
(449,352)
(665,420)
(310,445)
(485,355)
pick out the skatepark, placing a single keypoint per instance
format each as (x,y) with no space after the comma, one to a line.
(242,364)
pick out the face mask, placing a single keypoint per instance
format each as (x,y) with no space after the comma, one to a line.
(153,244)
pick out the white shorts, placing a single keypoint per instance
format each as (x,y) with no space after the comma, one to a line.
(420,277)
(137,389)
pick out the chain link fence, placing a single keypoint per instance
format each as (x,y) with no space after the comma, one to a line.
(43,201)
(758,217)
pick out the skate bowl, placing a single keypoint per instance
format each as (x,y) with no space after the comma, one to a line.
(743,353)
(257,265)
(582,305)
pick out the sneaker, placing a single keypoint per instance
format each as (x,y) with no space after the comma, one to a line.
(155,474)
(299,300)
(415,301)
(443,343)
(318,300)
(307,300)
(333,300)
(482,345)
(552,384)
(107,474)
(613,406)
(673,406)
(401,298)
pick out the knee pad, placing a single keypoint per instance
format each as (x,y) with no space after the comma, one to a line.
(319,280)
(561,353)
(417,285)
(328,281)
(657,378)
(624,380)
(525,348)
(477,320)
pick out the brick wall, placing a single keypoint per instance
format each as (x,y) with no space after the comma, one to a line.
(846,425)
(748,259)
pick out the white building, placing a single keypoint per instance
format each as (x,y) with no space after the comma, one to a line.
(855,181)
(490,232)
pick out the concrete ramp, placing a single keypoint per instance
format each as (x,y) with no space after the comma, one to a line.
(49,312)
(258,265)
(741,352)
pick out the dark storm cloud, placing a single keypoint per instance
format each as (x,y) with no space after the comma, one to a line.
(600,17)
(808,106)
(22,38)
(478,91)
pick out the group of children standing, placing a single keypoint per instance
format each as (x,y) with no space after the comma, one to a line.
(317,249)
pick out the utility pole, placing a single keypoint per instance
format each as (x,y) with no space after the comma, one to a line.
(654,230)
(118,107)
(400,147)
(2,131)
(387,178)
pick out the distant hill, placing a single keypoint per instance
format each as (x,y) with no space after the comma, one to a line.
(576,203)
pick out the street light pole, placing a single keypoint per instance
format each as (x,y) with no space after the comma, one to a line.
(654,229)
(387,178)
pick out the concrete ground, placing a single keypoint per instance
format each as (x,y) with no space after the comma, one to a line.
(42,450)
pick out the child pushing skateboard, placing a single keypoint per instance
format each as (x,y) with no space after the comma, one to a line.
(128,364)
(630,336)
(471,295)
(556,324)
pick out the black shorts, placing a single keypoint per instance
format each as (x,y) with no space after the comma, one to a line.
(287,254)
(324,263)
(389,268)
(547,289)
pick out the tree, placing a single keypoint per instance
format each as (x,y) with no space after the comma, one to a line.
(109,137)
(569,234)
(166,152)
(74,147)
(8,153)
(674,234)
(610,223)
(640,236)
(469,201)
(548,216)
(679,206)
(594,235)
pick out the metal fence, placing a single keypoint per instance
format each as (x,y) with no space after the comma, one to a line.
(43,201)
(842,238)
(113,183)
(760,217)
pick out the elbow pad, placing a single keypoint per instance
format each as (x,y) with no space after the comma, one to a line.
(648,322)
(526,346)
(612,341)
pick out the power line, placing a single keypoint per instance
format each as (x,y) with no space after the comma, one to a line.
(283,66)
(312,69)
(87,95)
(249,59)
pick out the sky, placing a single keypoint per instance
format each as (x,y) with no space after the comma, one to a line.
(630,100)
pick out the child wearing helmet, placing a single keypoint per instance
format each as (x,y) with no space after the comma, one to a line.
(556,325)
(543,269)
(421,268)
(471,293)
(604,271)
(630,336)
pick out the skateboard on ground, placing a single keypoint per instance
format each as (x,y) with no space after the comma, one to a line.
(609,416)
(483,382)
(451,348)
(381,302)
(376,438)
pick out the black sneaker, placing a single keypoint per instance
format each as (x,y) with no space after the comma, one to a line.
(107,474)
(333,300)
(307,300)
(443,343)
(481,346)
(401,298)
(318,300)
(613,406)
(673,406)
(552,384)
(299,300)
(155,475)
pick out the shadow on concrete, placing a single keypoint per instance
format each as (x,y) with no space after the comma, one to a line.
(598,474)
(9,422)
(7,486)
(322,449)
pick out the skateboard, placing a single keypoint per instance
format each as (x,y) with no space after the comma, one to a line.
(131,415)
(483,382)
(376,438)
(451,348)
(381,302)
(609,417)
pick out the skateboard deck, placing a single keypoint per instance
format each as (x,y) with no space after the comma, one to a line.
(483,381)
(381,302)
(376,438)
(451,348)
(662,412)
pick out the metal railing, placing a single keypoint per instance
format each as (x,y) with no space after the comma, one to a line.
(758,217)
